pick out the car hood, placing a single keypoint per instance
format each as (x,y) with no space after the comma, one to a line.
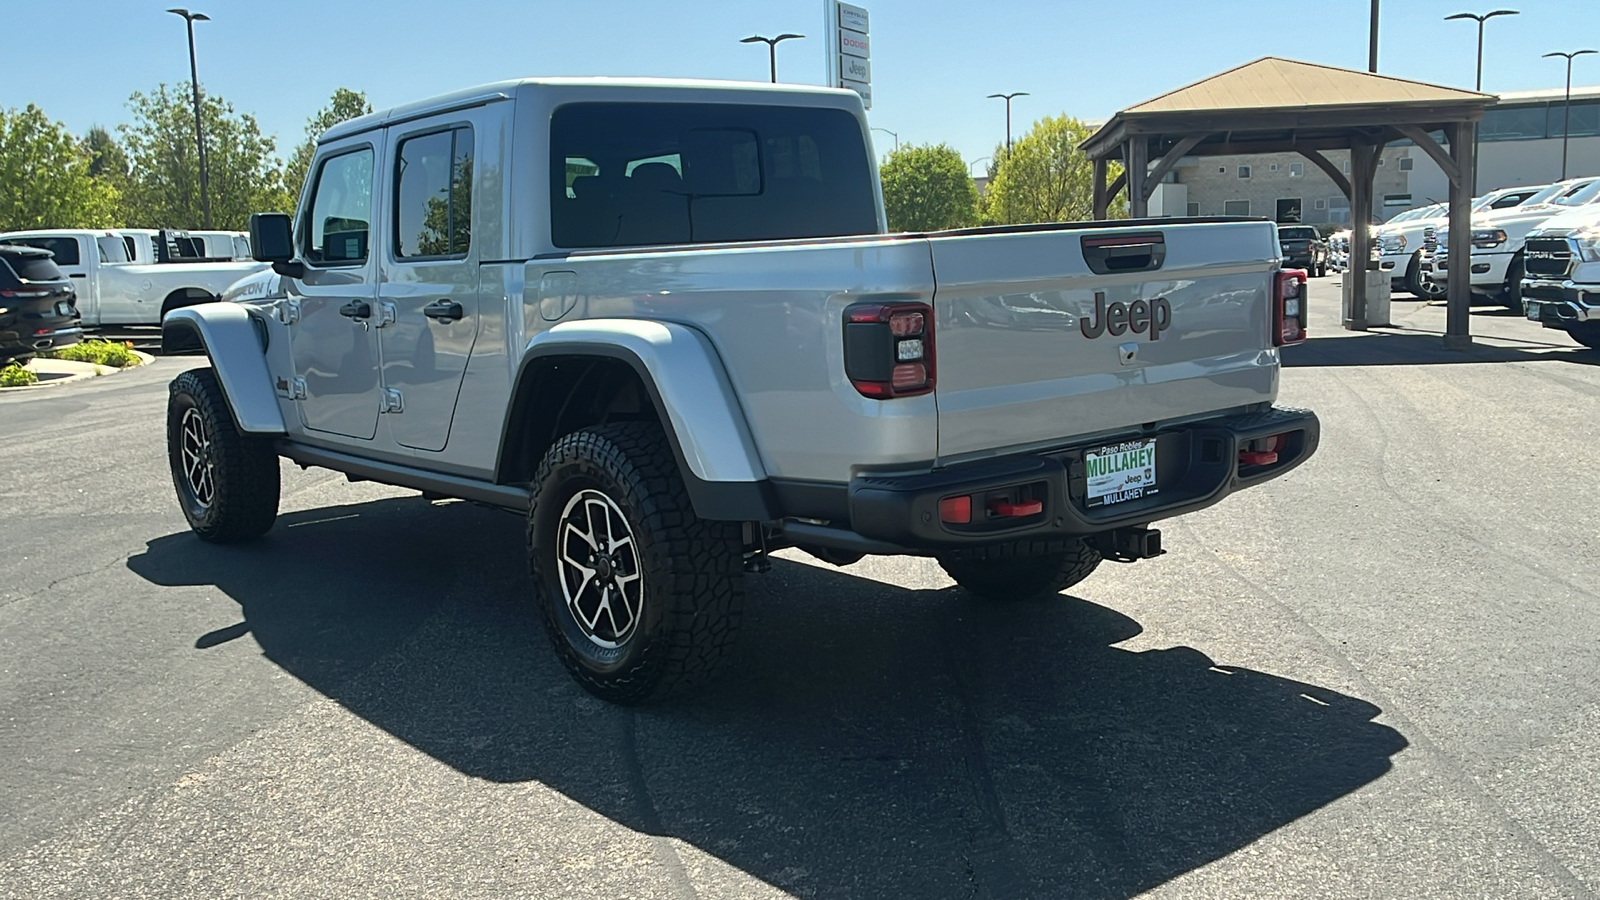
(1575,219)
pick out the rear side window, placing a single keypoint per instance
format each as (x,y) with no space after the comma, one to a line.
(629,174)
(433,195)
(340,215)
(64,249)
(1297,234)
(33,268)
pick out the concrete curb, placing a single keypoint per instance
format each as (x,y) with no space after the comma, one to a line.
(56,372)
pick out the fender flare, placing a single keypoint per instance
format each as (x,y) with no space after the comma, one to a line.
(689,388)
(234,343)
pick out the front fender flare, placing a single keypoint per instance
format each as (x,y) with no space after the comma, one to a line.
(684,376)
(233,343)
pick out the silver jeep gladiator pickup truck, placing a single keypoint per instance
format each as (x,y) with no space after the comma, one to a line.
(664,321)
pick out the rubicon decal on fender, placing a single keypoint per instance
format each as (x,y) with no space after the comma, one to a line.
(1153,316)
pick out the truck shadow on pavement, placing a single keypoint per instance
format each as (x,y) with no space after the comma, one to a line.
(865,740)
(1410,348)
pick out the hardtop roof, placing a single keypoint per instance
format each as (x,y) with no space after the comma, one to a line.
(506,90)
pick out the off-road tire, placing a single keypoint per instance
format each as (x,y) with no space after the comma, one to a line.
(692,570)
(1022,571)
(1586,333)
(240,478)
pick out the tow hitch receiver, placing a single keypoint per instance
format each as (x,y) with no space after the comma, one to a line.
(1129,544)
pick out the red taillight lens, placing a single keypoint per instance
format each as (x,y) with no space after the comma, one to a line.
(888,349)
(1289,307)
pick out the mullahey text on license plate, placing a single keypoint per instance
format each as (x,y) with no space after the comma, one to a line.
(1120,472)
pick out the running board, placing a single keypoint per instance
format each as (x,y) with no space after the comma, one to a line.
(504,496)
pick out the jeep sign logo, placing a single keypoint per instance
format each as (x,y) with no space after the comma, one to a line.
(1153,316)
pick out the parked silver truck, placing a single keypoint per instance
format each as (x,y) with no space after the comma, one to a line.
(664,320)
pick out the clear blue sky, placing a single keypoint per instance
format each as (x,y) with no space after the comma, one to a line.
(933,60)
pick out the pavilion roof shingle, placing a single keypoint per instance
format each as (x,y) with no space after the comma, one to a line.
(1274,83)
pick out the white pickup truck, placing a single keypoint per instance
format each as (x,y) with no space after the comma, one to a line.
(1562,286)
(116,289)
(663,321)
(1497,263)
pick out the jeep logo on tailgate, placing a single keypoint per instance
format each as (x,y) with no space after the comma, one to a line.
(1153,316)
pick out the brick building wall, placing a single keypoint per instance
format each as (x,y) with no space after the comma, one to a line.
(1214,187)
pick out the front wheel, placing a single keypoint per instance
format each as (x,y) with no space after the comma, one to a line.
(1586,333)
(1511,294)
(639,596)
(1022,572)
(227,482)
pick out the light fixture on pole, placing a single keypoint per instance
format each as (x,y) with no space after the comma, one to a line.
(976,161)
(1007,99)
(891,134)
(199,137)
(1566,116)
(1477,83)
(772,48)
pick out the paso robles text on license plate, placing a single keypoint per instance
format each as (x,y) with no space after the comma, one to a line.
(1120,472)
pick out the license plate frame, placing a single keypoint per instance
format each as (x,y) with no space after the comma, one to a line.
(1119,473)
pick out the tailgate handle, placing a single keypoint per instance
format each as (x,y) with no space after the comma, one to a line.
(1111,254)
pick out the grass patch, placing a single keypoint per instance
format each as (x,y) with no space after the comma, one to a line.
(13,375)
(101,353)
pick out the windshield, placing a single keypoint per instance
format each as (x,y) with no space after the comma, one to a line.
(1580,196)
(1545,195)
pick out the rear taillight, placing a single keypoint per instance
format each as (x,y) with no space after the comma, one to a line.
(888,349)
(25,294)
(1289,307)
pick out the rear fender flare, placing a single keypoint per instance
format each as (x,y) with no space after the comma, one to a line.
(689,388)
(234,344)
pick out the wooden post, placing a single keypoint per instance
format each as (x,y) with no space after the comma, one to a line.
(1360,233)
(1458,309)
(1101,200)
(1138,171)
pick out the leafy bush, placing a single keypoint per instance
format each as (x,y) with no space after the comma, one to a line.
(101,353)
(13,375)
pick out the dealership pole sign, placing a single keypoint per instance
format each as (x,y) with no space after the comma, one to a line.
(849,54)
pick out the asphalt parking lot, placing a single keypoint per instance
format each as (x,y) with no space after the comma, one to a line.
(1376,677)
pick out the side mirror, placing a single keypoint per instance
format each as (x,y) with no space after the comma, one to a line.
(272,240)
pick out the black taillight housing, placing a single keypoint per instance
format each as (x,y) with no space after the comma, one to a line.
(888,349)
(1288,307)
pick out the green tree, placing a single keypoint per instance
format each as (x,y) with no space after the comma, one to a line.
(106,159)
(45,180)
(1046,178)
(927,188)
(343,106)
(164,191)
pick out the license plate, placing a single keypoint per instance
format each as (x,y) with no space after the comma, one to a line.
(1120,472)
(1532,309)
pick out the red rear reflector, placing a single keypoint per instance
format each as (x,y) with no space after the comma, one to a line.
(1017,510)
(955,510)
(907,376)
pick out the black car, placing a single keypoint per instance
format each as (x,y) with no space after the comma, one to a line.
(38,306)
(1303,248)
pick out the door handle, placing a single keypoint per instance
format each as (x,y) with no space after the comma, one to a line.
(356,309)
(445,311)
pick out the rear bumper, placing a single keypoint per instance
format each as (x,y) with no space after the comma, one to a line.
(1197,466)
(35,338)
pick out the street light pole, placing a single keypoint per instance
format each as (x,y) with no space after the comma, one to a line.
(891,134)
(1007,99)
(1477,83)
(1566,113)
(772,48)
(190,18)
(976,161)
(1372,40)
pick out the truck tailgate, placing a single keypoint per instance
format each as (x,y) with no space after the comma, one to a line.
(1027,349)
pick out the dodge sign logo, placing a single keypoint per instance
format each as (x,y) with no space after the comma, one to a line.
(1153,316)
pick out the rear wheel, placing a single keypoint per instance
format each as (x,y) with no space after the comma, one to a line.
(1022,571)
(1586,333)
(639,596)
(227,482)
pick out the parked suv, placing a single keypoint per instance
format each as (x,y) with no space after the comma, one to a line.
(38,308)
(1303,248)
